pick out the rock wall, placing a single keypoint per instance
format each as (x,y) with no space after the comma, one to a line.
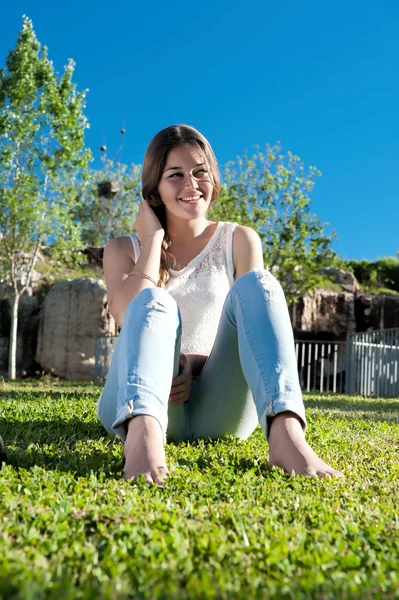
(74,314)
(333,315)
(376,312)
(325,312)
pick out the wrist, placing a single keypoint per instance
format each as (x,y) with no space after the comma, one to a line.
(156,237)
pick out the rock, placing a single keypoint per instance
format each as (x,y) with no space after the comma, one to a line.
(74,313)
(108,189)
(376,312)
(325,312)
(345,279)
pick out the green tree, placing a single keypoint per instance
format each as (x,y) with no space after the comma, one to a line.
(108,204)
(376,275)
(42,157)
(271,192)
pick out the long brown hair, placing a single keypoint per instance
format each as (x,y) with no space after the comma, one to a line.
(154,164)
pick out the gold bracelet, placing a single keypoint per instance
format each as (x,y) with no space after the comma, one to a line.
(143,275)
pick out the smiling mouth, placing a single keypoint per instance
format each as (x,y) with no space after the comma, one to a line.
(191,199)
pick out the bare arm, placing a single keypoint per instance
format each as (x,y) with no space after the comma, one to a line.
(118,263)
(247,250)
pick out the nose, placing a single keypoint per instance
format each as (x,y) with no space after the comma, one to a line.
(194,184)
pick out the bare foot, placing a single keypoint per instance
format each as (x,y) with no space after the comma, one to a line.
(144,450)
(289,449)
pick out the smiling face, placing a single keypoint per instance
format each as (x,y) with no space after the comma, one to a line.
(186,184)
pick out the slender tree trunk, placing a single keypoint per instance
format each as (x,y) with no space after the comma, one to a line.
(13,336)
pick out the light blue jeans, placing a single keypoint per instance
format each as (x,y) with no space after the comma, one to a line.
(250,376)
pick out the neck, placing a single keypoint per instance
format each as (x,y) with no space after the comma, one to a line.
(183,232)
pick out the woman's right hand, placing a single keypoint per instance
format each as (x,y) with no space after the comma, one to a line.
(147,223)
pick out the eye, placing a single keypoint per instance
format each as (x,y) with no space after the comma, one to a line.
(197,173)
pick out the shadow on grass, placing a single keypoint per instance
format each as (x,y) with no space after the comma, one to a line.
(59,445)
(56,445)
(66,462)
(49,431)
(79,446)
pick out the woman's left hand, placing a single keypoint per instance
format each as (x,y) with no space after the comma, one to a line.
(181,386)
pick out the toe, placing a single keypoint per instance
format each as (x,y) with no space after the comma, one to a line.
(141,478)
(330,474)
(160,475)
(339,474)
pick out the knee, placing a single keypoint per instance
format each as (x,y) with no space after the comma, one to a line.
(259,278)
(156,294)
(154,298)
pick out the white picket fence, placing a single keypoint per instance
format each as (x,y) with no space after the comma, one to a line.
(373,363)
(321,365)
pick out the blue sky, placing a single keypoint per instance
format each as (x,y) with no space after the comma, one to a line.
(321,77)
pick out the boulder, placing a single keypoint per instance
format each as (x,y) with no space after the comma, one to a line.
(74,314)
(345,279)
(376,312)
(325,313)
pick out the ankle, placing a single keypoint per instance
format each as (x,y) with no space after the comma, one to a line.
(283,425)
(142,425)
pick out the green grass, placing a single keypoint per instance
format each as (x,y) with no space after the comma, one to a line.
(224,526)
(378,290)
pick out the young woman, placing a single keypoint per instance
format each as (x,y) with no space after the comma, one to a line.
(206,347)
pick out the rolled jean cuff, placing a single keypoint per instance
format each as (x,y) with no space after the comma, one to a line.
(279,405)
(126,412)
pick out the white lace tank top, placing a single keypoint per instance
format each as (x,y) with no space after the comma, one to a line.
(200,289)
